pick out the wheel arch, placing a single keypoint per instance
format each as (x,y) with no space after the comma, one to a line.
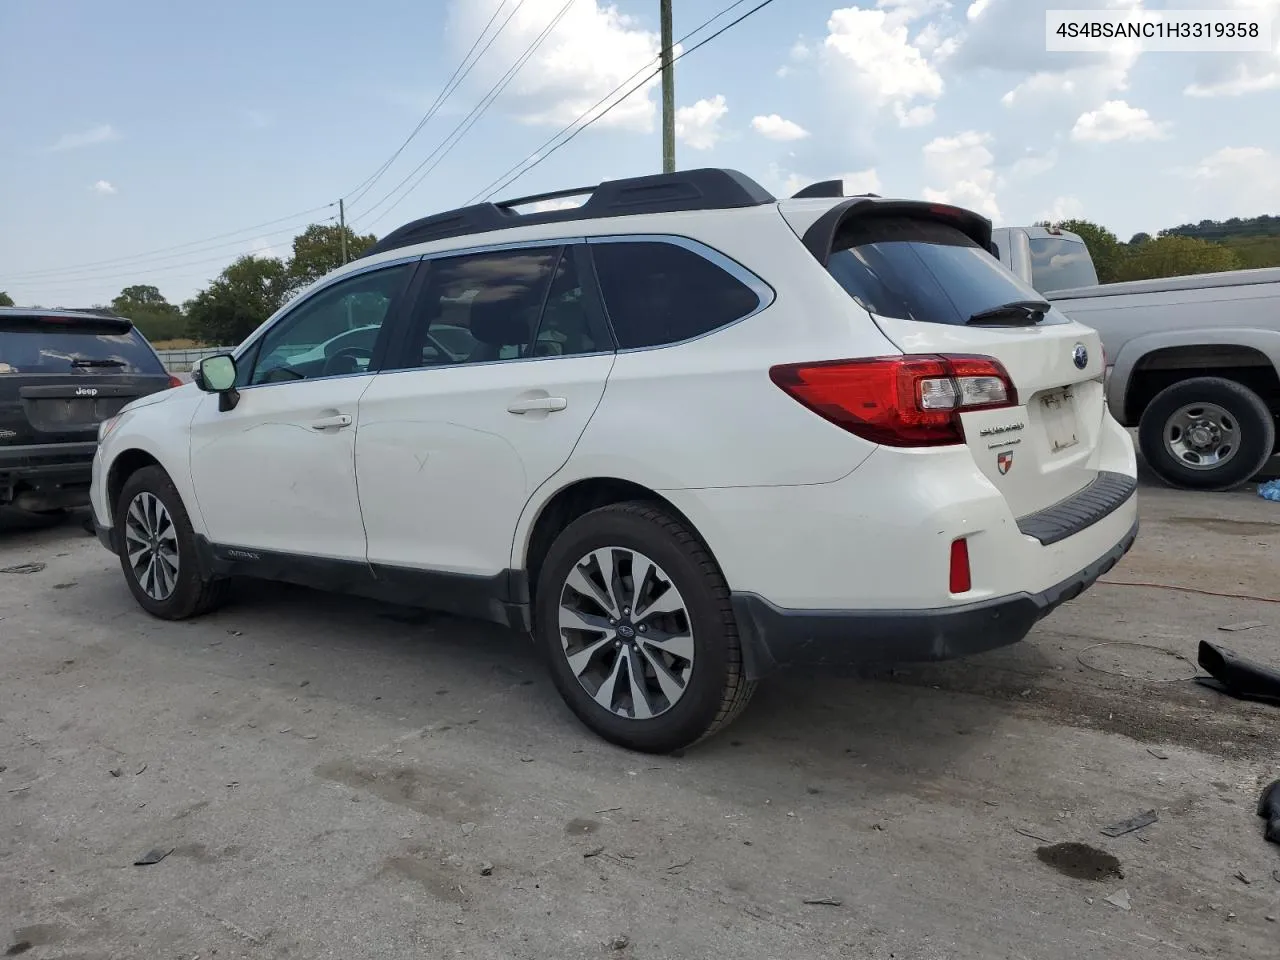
(539,528)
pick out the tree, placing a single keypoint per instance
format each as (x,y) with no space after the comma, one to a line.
(318,250)
(5,299)
(1138,239)
(1103,245)
(156,317)
(238,300)
(1176,256)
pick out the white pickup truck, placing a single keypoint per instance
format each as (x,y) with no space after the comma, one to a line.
(1191,361)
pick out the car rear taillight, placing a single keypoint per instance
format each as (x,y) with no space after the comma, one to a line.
(174,381)
(906,401)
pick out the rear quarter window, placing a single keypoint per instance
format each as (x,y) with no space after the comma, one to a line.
(1059,263)
(658,293)
(37,346)
(922,270)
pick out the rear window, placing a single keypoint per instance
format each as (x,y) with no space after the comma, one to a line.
(922,270)
(1059,263)
(35,346)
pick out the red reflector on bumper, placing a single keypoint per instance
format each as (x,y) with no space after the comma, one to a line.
(961,582)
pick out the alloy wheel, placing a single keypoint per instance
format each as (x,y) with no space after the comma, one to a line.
(151,540)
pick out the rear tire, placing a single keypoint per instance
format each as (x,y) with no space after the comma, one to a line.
(1207,433)
(682,625)
(157,547)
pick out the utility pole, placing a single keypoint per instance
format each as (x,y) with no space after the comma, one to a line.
(342,227)
(668,93)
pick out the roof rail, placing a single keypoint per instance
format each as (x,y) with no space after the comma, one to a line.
(826,188)
(707,188)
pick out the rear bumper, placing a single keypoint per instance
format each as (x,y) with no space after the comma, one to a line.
(776,637)
(44,476)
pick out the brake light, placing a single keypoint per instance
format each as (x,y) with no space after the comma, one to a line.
(174,382)
(960,580)
(904,401)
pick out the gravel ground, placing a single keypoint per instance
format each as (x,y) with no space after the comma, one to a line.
(337,778)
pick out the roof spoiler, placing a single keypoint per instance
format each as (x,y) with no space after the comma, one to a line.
(825,188)
(820,237)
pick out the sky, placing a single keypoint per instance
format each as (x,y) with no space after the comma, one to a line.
(148,141)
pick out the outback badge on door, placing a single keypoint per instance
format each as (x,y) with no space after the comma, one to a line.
(1004,461)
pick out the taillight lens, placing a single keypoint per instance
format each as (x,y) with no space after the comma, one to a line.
(905,401)
(174,381)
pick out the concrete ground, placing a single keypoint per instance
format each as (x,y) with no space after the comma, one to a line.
(335,778)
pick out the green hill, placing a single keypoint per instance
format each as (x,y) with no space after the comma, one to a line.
(1255,241)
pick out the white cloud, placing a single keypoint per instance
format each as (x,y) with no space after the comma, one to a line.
(800,51)
(872,51)
(1033,164)
(977,9)
(564,203)
(1238,74)
(1235,182)
(1063,208)
(774,127)
(1116,120)
(104,187)
(698,125)
(920,116)
(861,181)
(963,164)
(593,50)
(102,133)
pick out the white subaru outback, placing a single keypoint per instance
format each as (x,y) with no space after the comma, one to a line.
(684,434)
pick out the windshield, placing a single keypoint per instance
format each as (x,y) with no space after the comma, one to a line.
(911,269)
(1061,263)
(34,346)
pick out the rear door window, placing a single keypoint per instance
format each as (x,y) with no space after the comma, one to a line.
(912,269)
(59,345)
(658,293)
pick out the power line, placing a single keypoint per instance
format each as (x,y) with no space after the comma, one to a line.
(144,271)
(449,87)
(445,147)
(150,262)
(683,54)
(165,250)
(487,190)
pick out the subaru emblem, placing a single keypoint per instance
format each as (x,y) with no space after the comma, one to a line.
(1080,356)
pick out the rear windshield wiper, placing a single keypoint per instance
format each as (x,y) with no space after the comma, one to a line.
(80,362)
(1029,312)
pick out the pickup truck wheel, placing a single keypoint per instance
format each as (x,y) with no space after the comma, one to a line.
(1207,433)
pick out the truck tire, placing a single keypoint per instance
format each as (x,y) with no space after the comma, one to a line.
(1206,433)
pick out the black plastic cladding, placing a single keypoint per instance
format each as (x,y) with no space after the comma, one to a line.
(707,188)
(818,239)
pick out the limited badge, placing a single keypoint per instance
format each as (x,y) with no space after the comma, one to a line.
(1004,462)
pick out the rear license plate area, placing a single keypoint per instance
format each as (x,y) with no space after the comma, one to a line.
(1058,414)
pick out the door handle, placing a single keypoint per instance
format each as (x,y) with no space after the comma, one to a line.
(549,404)
(329,423)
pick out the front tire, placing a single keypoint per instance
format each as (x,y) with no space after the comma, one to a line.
(634,615)
(157,548)
(1207,433)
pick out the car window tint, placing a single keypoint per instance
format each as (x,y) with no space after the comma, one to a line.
(331,333)
(481,307)
(62,346)
(912,269)
(658,293)
(565,328)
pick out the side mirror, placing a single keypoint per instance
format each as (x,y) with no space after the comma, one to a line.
(217,374)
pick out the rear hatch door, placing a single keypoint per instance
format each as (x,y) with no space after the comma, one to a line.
(61,375)
(923,273)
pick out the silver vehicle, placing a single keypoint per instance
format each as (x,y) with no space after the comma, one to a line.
(1192,361)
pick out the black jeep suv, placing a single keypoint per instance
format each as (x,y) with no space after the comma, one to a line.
(61,374)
